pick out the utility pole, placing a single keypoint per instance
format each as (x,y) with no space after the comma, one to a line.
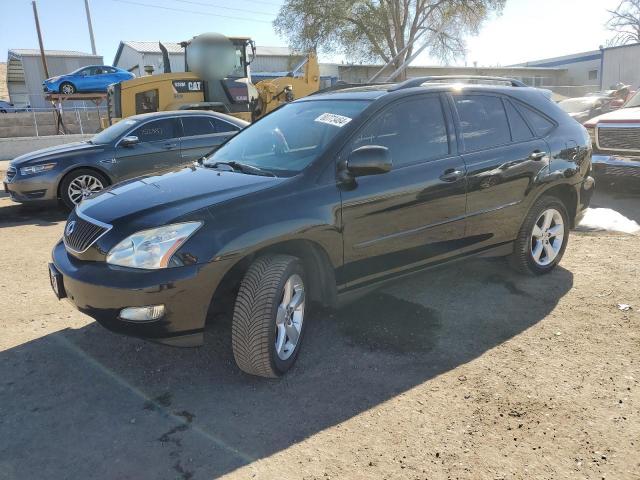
(44,59)
(93,41)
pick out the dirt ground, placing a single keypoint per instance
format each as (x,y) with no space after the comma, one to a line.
(470,372)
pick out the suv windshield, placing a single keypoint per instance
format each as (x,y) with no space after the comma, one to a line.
(287,140)
(112,133)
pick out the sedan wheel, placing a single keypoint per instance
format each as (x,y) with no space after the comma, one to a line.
(67,89)
(83,186)
(79,184)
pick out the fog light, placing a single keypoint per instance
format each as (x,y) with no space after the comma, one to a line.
(142,314)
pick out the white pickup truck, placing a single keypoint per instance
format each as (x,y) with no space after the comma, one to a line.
(616,142)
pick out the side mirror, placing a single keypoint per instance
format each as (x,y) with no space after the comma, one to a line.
(129,141)
(369,160)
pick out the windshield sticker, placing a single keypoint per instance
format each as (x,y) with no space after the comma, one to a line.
(333,119)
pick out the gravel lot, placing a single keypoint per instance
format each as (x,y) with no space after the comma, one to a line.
(470,372)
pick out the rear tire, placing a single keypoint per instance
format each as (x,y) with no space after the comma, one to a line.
(543,237)
(67,88)
(75,180)
(268,318)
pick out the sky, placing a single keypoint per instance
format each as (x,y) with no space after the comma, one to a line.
(526,30)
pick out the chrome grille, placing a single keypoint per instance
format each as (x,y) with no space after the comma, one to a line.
(11,172)
(80,233)
(619,138)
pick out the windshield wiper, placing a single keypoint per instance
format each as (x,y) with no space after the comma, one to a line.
(243,167)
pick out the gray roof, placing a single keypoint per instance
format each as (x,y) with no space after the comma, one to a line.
(153,47)
(33,52)
(174,47)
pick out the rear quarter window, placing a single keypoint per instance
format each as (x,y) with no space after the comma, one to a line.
(540,124)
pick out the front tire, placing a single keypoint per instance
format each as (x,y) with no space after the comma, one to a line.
(67,88)
(80,183)
(268,318)
(543,237)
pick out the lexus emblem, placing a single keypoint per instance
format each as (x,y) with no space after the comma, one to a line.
(71,226)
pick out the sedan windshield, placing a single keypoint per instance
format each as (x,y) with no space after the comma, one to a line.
(112,133)
(290,138)
(576,105)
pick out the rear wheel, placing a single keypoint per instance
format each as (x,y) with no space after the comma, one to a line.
(268,318)
(542,238)
(67,88)
(79,184)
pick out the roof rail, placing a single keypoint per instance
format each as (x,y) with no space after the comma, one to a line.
(473,79)
(342,85)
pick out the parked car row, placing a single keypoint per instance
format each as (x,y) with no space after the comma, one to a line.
(319,201)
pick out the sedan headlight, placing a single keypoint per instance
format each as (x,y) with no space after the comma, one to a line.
(151,249)
(30,170)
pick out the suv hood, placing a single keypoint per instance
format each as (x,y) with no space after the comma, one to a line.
(622,115)
(163,198)
(52,153)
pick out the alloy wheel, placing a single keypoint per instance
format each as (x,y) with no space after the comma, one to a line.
(289,317)
(83,186)
(547,237)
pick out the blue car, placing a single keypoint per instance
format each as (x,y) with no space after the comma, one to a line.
(94,78)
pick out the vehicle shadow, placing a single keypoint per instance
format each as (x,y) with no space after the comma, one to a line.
(621,197)
(12,214)
(87,403)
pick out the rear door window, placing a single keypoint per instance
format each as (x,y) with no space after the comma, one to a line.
(194,126)
(223,127)
(156,130)
(520,132)
(413,131)
(483,121)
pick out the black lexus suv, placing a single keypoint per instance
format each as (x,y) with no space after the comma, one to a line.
(323,199)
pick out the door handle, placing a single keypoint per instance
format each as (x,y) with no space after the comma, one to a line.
(451,175)
(169,146)
(537,155)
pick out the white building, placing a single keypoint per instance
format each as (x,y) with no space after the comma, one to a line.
(134,56)
(25,72)
(597,69)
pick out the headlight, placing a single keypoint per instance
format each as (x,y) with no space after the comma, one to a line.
(153,248)
(36,168)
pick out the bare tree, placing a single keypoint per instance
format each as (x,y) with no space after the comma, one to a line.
(625,22)
(370,30)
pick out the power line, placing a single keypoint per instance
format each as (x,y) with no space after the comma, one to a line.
(225,8)
(207,4)
(196,12)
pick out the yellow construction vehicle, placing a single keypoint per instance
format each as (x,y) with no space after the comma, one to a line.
(217,77)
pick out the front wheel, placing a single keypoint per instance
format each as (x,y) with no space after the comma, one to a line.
(268,318)
(79,184)
(542,238)
(67,88)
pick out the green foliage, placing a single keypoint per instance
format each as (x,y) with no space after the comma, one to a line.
(374,30)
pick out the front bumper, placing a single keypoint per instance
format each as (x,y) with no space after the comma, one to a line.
(102,291)
(41,187)
(616,166)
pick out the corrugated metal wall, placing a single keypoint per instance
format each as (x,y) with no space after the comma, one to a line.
(30,92)
(621,64)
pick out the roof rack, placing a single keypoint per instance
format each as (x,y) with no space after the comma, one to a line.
(473,79)
(342,85)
